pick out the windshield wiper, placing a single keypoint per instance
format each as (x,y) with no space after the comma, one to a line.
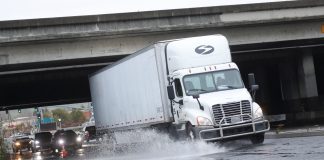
(230,87)
(191,90)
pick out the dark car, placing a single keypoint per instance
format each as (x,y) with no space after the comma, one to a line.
(42,142)
(90,133)
(21,143)
(66,139)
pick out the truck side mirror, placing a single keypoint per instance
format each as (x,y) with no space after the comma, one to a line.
(181,102)
(254,87)
(251,79)
(170,92)
(195,96)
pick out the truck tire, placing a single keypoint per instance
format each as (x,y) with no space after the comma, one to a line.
(257,138)
(191,133)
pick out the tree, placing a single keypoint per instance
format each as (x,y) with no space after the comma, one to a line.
(47,113)
(77,116)
(60,114)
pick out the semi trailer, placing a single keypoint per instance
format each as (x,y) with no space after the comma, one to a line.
(190,87)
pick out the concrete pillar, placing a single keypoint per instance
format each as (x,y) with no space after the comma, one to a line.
(299,88)
(306,75)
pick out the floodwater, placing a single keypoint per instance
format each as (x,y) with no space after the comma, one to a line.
(149,144)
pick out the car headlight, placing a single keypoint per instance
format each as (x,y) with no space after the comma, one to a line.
(36,142)
(257,111)
(202,121)
(79,139)
(17,144)
(61,141)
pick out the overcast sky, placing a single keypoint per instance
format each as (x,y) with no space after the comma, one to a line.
(31,9)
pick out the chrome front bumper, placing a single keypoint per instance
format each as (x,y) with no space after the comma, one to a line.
(236,130)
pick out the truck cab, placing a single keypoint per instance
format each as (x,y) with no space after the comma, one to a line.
(211,101)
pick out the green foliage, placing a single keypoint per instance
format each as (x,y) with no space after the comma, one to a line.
(77,116)
(62,114)
(47,113)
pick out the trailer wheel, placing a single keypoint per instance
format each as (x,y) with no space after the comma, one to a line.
(191,134)
(257,138)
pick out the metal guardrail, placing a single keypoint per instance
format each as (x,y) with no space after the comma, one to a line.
(237,125)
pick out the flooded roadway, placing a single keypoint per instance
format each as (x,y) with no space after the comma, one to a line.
(163,148)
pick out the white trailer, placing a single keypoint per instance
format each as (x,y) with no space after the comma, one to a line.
(190,85)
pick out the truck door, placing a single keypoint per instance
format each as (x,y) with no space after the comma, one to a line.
(178,101)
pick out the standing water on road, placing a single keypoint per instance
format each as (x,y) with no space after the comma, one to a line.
(149,144)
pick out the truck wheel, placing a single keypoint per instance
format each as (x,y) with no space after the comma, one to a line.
(257,138)
(191,134)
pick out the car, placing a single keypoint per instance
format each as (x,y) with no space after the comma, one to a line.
(90,133)
(42,142)
(66,139)
(21,143)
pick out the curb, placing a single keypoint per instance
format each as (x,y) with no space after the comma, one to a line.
(273,135)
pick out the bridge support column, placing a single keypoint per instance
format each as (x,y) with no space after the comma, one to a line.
(299,88)
(306,75)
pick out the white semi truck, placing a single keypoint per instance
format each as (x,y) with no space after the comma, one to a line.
(188,86)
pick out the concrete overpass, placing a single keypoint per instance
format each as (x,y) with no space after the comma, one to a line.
(46,61)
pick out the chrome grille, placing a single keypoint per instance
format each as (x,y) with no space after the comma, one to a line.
(246,109)
(231,109)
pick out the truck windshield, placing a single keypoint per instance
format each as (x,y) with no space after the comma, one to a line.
(212,81)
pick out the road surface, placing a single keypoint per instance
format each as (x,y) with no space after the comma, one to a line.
(298,148)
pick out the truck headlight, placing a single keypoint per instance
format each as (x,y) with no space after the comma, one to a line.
(79,139)
(257,111)
(202,121)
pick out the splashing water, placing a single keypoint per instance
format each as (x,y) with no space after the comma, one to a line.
(149,144)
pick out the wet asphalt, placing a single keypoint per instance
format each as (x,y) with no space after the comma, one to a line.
(297,148)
